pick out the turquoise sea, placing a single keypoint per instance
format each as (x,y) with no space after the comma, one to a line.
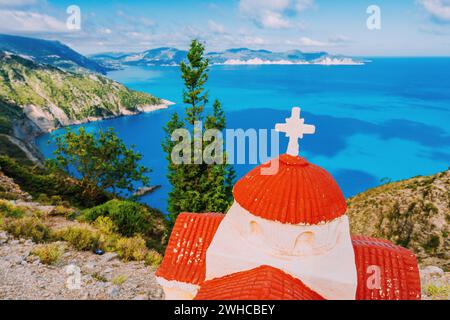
(386,120)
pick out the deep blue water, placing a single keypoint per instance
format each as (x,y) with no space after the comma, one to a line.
(388,119)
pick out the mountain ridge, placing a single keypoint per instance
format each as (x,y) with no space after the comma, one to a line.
(49,52)
(170,56)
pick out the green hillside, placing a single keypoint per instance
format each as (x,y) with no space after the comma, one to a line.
(414,213)
(23,82)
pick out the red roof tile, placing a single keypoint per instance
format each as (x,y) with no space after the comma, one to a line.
(184,259)
(262,283)
(299,192)
(398,268)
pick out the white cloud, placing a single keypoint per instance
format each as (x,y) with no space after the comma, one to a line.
(274,14)
(216,27)
(274,20)
(339,39)
(273,5)
(30,22)
(302,5)
(308,42)
(17,3)
(104,31)
(439,9)
(252,41)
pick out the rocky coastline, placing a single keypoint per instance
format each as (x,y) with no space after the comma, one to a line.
(37,122)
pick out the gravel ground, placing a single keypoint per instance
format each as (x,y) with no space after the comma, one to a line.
(77,275)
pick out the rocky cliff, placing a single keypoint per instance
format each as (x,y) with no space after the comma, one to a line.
(413,213)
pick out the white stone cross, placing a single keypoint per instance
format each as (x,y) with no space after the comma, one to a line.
(295,128)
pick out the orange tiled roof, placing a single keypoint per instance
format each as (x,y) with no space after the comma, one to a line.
(262,283)
(184,259)
(399,271)
(299,192)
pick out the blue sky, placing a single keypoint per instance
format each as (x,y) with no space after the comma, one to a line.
(408,27)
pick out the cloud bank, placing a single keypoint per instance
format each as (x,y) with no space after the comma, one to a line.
(273,14)
(438,9)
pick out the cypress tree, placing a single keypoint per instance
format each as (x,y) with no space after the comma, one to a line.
(197,187)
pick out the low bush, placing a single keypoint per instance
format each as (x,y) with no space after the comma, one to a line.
(9,210)
(60,210)
(81,238)
(130,219)
(107,233)
(48,253)
(129,249)
(438,292)
(105,225)
(99,277)
(119,280)
(28,227)
(42,198)
(153,259)
(108,242)
(54,200)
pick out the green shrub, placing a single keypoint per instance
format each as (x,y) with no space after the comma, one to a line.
(81,238)
(97,276)
(105,225)
(108,242)
(72,216)
(129,249)
(153,259)
(43,199)
(9,210)
(62,211)
(432,243)
(438,292)
(48,253)
(119,280)
(107,230)
(130,217)
(28,227)
(133,218)
(57,200)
